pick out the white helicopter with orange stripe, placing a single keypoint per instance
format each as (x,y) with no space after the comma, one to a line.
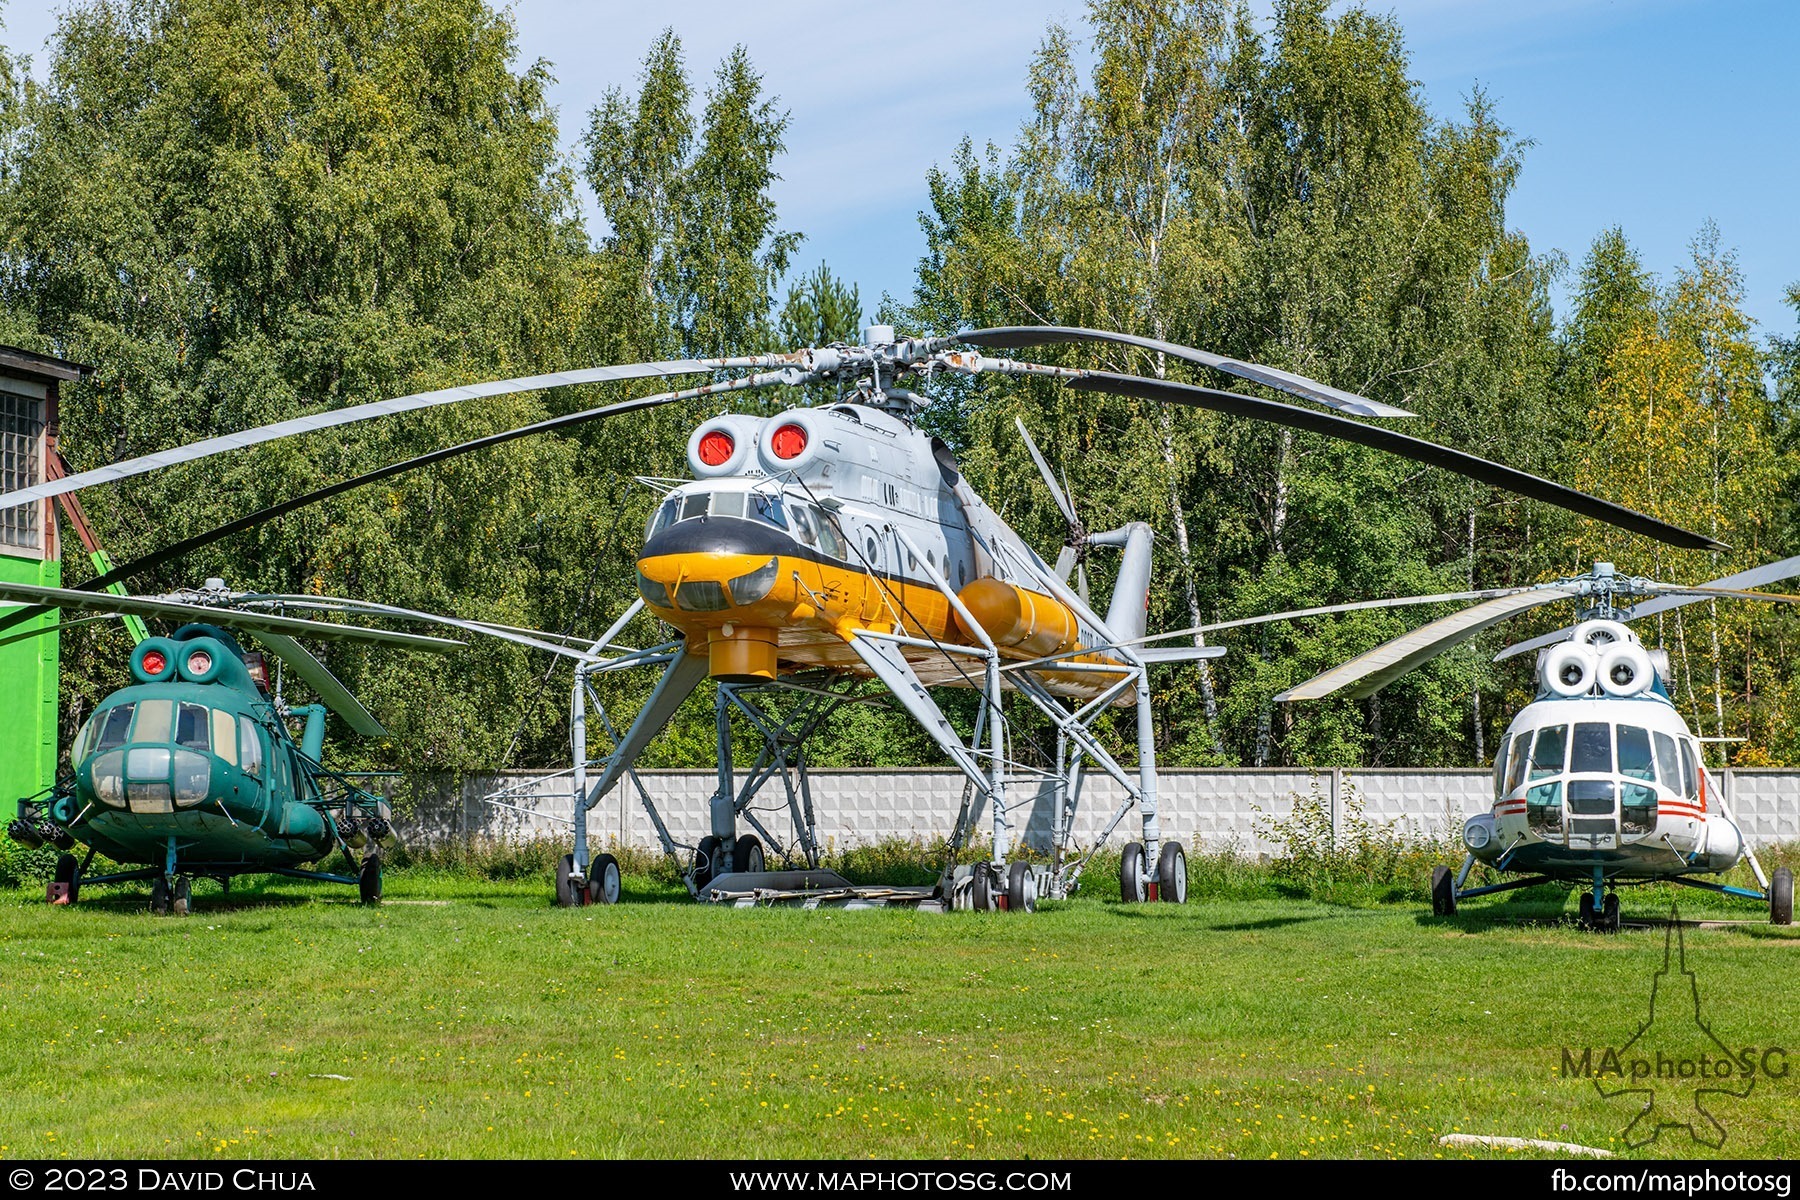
(1598,779)
(821,548)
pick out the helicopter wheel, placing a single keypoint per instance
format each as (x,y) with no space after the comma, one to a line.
(181,897)
(1171,874)
(68,872)
(1443,891)
(1132,887)
(709,857)
(603,880)
(1609,914)
(159,896)
(1781,897)
(565,884)
(368,880)
(747,855)
(982,888)
(1021,889)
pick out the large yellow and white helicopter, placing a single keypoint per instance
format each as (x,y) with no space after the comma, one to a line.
(822,548)
(1598,779)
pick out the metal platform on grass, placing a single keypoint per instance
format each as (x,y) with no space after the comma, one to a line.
(814,889)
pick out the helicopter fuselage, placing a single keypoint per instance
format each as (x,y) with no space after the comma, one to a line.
(805,528)
(1609,779)
(192,769)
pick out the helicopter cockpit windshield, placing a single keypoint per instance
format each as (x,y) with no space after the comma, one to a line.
(1595,778)
(802,520)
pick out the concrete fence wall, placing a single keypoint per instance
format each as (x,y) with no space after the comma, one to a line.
(1206,809)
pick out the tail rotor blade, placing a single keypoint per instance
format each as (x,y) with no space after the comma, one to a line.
(1056,493)
(1081,584)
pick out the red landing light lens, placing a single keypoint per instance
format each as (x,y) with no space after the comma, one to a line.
(788,442)
(154,661)
(716,448)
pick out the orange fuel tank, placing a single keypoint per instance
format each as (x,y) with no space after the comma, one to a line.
(1019,619)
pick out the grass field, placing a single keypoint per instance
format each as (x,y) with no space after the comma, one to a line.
(470,1018)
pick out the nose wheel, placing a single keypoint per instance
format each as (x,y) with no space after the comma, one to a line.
(1602,917)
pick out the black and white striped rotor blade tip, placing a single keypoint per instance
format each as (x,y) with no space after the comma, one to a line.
(1018,337)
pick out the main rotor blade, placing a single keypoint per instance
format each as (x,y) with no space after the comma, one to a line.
(1374,669)
(175,550)
(1704,593)
(1430,453)
(1056,493)
(1784,568)
(257,623)
(528,638)
(1329,609)
(331,692)
(1065,563)
(350,414)
(1014,337)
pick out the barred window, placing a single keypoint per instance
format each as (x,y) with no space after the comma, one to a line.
(21,465)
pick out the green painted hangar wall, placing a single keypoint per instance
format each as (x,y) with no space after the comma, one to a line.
(28,688)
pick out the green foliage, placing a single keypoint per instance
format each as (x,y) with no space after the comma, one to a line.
(1355,858)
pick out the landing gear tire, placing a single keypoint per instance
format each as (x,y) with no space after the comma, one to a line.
(747,854)
(1443,891)
(1781,897)
(709,857)
(159,896)
(603,880)
(565,882)
(1584,909)
(1171,874)
(1021,889)
(1609,914)
(181,897)
(368,879)
(982,889)
(1132,884)
(68,871)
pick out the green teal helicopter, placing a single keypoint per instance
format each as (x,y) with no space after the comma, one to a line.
(193,771)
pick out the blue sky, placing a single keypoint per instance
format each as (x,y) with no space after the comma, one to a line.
(1656,115)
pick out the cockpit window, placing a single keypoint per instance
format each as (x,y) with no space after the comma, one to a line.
(1521,752)
(114,723)
(728,504)
(665,517)
(805,524)
(154,719)
(250,752)
(768,508)
(694,505)
(1593,747)
(1551,748)
(1500,765)
(193,727)
(1668,766)
(831,542)
(1634,753)
(1690,784)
